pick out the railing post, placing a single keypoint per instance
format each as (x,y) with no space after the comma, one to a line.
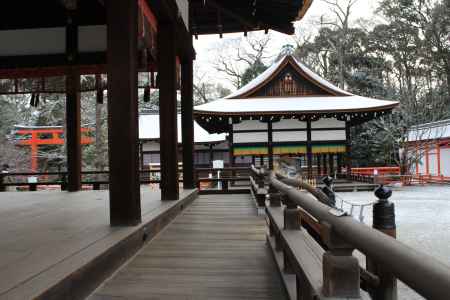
(64,182)
(340,268)
(96,186)
(384,221)
(291,215)
(274,197)
(291,222)
(2,186)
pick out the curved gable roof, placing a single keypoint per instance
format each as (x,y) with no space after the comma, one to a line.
(270,73)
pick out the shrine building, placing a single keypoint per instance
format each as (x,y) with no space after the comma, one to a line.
(288,110)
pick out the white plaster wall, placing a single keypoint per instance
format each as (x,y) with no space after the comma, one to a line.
(150,146)
(433,163)
(33,41)
(289,124)
(327,123)
(250,137)
(250,125)
(92,38)
(328,135)
(289,136)
(445,162)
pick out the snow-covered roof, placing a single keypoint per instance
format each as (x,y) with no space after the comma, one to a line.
(149,129)
(332,100)
(430,131)
(299,105)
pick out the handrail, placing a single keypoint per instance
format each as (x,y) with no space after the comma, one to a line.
(430,277)
(300,183)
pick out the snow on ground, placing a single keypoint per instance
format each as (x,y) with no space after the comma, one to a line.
(422,218)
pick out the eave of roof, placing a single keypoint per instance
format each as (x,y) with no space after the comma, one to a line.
(294,105)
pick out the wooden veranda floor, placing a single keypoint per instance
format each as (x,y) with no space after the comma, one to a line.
(215,250)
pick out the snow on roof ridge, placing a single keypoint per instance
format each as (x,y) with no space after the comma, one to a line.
(256,81)
(320,79)
(270,70)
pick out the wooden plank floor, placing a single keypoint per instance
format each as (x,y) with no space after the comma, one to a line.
(46,235)
(215,250)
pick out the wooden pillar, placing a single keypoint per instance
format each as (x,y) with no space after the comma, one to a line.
(331,163)
(187,122)
(427,160)
(73,118)
(339,163)
(309,147)
(270,143)
(230,142)
(141,156)
(319,169)
(325,170)
(348,149)
(438,158)
(167,79)
(124,194)
(211,155)
(417,159)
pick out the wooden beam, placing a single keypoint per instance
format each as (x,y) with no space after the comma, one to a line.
(124,193)
(167,79)
(309,147)
(73,107)
(187,122)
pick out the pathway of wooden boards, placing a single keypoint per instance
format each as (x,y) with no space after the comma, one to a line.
(215,250)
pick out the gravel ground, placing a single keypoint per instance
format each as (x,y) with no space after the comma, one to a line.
(423,221)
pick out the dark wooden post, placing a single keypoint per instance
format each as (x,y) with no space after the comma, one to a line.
(309,147)
(167,79)
(230,142)
(73,118)
(319,169)
(187,122)
(211,155)
(124,194)
(340,269)
(325,170)
(384,221)
(270,143)
(348,149)
(339,163)
(141,156)
(2,181)
(331,163)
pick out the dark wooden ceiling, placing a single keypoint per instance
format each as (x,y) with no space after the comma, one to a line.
(21,14)
(216,16)
(206,16)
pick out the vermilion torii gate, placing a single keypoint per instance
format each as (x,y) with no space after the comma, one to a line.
(76,37)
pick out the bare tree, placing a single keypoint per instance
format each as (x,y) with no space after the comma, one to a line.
(340,24)
(236,55)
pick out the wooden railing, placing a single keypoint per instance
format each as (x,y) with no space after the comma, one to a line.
(222,181)
(313,270)
(92,179)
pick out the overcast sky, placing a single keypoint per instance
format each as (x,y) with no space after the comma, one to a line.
(206,45)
